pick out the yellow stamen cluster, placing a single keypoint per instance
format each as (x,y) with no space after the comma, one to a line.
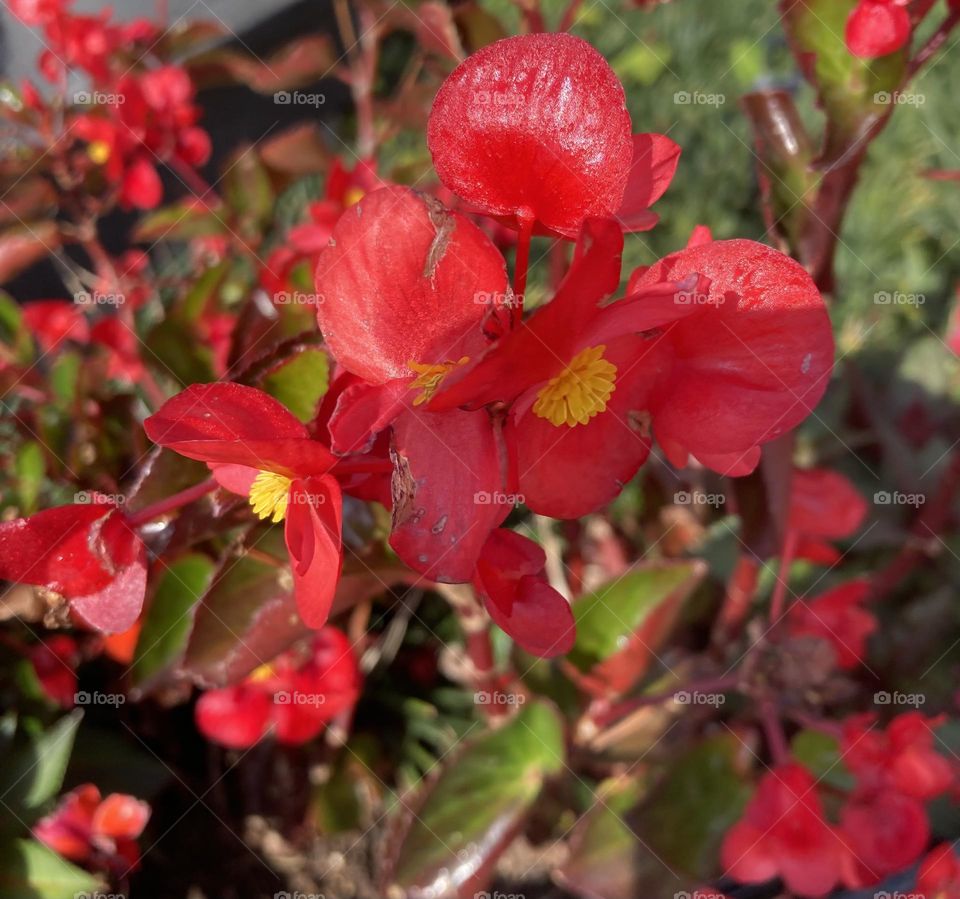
(99,152)
(428,377)
(352,196)
(269,495)
(580,391)
(264,672)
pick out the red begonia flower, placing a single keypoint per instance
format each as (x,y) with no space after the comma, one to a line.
(749,364)
(294,697)
(54,662)
(99,833)
(902,758)
(877,27)
(52,322)
(511,582)
(122,348)
(824,505)
(400,315)
(257,448)
(885,833)
(783,833)
(576,376)
(837,616)
(939,876)
(87,553)
(534,129)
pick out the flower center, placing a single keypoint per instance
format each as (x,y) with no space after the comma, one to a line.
(264,672)
(99,151)
(429,377)
(580,391)
(269,495)
(352,196)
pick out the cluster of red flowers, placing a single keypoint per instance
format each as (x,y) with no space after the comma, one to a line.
(137,117)
(882,823)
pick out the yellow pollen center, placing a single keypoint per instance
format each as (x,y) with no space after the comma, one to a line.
(580,391)
(429,377)
(99,151)
(264,672)
(352,196)
(269,495)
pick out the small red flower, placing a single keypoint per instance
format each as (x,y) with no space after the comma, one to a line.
(293,697)
(878,27)
(122,348)
(88,553)
(837,616)
(98,833)
(510,581)
(939,876)
(824,505)
(534,129)
(52,322)
(749,364)
(783,833)
(55,661)
(257,448)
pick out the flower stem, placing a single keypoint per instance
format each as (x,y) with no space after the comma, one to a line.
(779,601)
(163,506)
(522,264)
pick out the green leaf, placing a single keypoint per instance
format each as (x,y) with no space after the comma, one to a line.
(33,772)
(169,619)
(697,802)
(30,468)
(65,377)
(175,350)
(29,870)
(300,382)
(820,754)
(471,811)
(248,191)
(179,221)
(627,619)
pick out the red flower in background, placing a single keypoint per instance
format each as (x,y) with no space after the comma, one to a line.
(939,876)
(400,315)
(88,553)
(783,833)
(98,833)
(836,616)
(878,27)
(576,377)
(55,661)
(534,129)
(824,505)
(294,697)
(257,448)
(749,364)
(510,581)
(52,322)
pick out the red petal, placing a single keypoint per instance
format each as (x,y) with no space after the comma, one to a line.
(363,410)
(535,124)
(876,28)
(313,537)
(448,492)
(755,358)
(745,854)
(824,503)
(235,716)
(53,321)
(239,425)
(569,472)
(655,159)
(235,478)
(141,187)
(401,282)
(120,815)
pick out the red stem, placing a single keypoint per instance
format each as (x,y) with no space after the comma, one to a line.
(779,600)
(163,506)
(522,264)
(773,728)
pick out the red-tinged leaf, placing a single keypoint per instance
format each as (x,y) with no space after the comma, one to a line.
(534,126)
(182,221)
(299,63)
(296,151)
(448,492)
(161,474)
(436,30)
(621,625)
(22,245)
(471,812)
(26,200)
(185,37)
(388,302)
